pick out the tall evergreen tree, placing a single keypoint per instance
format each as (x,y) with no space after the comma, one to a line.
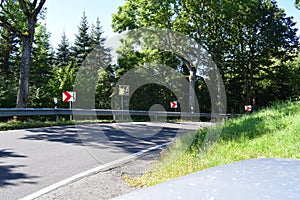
(105,77)
(9,59)
(96,34)
(82,45)
(63,54)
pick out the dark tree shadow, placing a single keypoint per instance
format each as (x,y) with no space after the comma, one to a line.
(133,144)
(107,136)
(8,174)
(4,153)
(55,134)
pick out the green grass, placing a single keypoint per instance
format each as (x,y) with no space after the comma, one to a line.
(13,125)
(270,133)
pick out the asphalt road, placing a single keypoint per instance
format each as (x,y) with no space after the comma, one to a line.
(33,159)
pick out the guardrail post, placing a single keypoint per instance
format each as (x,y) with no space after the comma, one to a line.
(57,116)
(70,109)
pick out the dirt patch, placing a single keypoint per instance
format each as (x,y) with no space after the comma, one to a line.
(105,185)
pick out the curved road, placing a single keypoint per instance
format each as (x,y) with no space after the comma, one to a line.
(33,159)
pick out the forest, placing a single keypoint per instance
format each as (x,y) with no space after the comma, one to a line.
(254,44)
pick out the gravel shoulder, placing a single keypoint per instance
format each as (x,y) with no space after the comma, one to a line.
(107,184)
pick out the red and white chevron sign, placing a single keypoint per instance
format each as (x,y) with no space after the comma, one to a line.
(248,108)
(69,96)
(174,104)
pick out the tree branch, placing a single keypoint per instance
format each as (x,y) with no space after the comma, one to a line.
(39,8)
(34,3)
(24,8)
(5,12)
(9,27)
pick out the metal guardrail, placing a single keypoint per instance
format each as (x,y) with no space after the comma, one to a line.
(10,112)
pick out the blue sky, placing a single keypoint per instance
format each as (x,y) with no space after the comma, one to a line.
(65,15)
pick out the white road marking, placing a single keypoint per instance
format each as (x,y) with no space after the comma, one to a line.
(91,172)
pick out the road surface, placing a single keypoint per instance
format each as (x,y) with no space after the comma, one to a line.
(33,159)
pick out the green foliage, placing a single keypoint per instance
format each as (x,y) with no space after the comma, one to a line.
(9,57)
(243,37)
(51,72)
(148,95)
(63,80)
(126,17)
(8,92)
(253,43)
(104,89)
(63,54)
(281,83)
(96,34)
(13,125)
(21,18)
(270,133)
(12,17)
(297,4)
(82,45)
(41,69)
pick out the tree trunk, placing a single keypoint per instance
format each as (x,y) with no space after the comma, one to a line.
(243,65)
(251,81)
(23,90)
(192,80)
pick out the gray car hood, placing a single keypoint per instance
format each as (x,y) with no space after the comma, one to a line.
(249,179)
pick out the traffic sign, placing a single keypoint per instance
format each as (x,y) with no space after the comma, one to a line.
(174,104)
(248,108)
(124,90)
(69,96)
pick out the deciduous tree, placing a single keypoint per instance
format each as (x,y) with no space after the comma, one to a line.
(243,37)
(23,25)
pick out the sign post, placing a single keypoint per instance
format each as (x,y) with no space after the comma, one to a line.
(55,107)
(124,90)
(69,97)
(55,103)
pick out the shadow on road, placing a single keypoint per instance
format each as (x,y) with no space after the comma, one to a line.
(128,138)
(134,144)
(55,134)
(9,174)
(4,153)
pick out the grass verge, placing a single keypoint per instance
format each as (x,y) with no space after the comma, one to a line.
(13,125)
(270,133)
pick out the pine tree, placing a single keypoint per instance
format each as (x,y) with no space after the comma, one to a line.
(105,77)
(82,45)
(63,53)
(96,34)
(9,59)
